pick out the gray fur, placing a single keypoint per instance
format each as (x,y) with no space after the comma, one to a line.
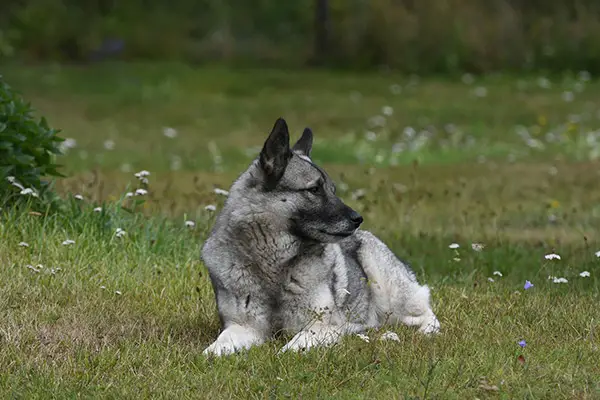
(286,254)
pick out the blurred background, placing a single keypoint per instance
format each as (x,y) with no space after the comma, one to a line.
(428,36)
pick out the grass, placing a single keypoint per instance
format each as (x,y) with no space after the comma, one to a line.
(128,317)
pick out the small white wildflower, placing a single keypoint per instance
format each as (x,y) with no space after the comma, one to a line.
(396,89)
(171,133)
(109,144)
(390,336)
(34,269)
(597,254)
(477,246)
(98,209)
(118,292)
(68,242)
(67,144)
(221,192)
(24,244)
(497,273)
(190,224)
(142,174)
(584,274)
(409,132)
(491,279)
(129,194)
(141,192)
(454,246)
(550,277)
(560,280)
(568,96)
(210,207)
(552,256)
(78,197)
(102,287)
(120,232)
(480,91)
(387,111)
(371,136)
(29,191)
(457,259)
(468,79)
(363,337)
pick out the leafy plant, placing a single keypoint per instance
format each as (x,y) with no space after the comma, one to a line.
(27,151)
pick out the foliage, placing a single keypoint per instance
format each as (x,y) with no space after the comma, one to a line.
(427,36)
(27,150)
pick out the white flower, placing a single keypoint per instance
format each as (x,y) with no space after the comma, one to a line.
(210,207)
(29,191)
(480,91)
(454,246)
(98,209)
(102,287)
(68,242)
(34,269)
(142,174)
(363,337)
(477,246)
(597,254)
(109,144)
(68,143)
(120,232)
(497,273)
(24,244)
(170,132)
(141,192)
(396,89)
(560,280)
(491,279)
(221,192)
(568,96)
(190,224)
(390,336)
(129,194)
(552,256)
(371,136)
(387,110)
(457,259)
(118,292)
(584,274)
(78,197)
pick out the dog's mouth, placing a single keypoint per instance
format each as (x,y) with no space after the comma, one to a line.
(339,233)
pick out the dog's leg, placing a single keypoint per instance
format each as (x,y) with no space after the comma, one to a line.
(398,296)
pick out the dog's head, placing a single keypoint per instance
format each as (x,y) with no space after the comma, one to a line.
(301,191)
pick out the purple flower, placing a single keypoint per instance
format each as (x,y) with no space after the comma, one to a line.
(528,285)
(522,343)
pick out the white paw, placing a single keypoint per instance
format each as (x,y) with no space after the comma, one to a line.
(431,326)
(307,339)
(233,339)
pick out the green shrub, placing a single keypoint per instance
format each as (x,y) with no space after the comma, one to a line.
(27,152)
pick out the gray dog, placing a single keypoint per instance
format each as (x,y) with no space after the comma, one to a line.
(286,255)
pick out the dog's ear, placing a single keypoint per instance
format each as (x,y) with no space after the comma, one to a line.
(276,153)
(304,144)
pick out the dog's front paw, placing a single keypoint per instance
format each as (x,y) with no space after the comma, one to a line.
(219,349)
(233,339)
(431,326)
(307,339)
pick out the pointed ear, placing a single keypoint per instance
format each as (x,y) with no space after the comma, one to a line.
(304,144)
(276,153)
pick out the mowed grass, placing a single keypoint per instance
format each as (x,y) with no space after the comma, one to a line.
(129,316)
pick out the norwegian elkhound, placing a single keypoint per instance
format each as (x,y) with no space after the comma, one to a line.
(286,255)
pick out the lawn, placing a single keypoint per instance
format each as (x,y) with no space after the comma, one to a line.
(504,167)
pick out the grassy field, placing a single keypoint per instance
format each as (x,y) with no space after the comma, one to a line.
(506,162)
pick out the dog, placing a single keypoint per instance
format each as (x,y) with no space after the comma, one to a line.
(287,255)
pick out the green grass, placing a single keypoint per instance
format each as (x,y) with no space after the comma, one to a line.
(65,332)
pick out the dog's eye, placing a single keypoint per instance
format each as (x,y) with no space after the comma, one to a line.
(314,189)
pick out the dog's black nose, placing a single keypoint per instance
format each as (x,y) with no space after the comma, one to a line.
(356,219)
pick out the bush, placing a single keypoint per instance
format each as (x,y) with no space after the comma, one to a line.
(27,152)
